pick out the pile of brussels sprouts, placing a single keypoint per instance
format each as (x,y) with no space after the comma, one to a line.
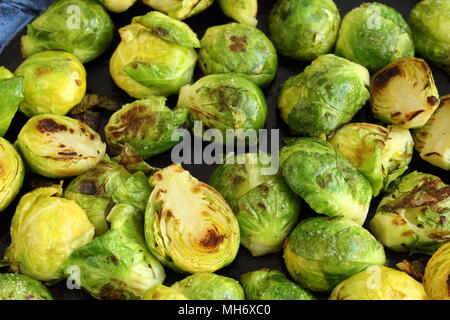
(109,222)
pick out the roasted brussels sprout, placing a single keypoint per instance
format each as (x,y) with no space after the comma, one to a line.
(374,35)
(379,283)
(54,82)
(415,216)
(155,56)
(12,172)
(266,284)
(116,265)
(45,230)
(265,207)
(209,286)
(321,252)
(19,287)
(430,22)
(404,93)
(11,91)
(117,6)
(188,225)
(241,49)
(327,94)
(325,179)
(380,154)
(304,29)
(437,273)
(243,11)
(81,27)
(433,139)
(58,146)
(161,292)
(179,9)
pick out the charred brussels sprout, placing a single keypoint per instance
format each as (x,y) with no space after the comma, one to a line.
(188,225)
(415,216)
(19,287)
(379,283)
(433,139)
(327,94)
(437,273)
(161,292)
(241,49)
(45,230)
(11,91)
(58,146)
(12,172)
(327,181)
(179,9)
(243,11)
(380,154)
(117,6)
(374,35)
(155,56)
(265,207)
(266,284)
(81,27)
(321,252)
(404,93)
(304,29)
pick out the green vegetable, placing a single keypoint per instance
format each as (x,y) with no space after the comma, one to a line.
(243,11)
(11,91)
(19,287)
(179,9)
(12,173)
(161,292)
(117,6)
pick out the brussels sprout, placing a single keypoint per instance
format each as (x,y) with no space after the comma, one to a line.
(59,146)
(243,11)
(45,230)
(209,286)
(304,29)
(380,154)
(225,101)
(152,60)
(54,82)
(379,283)
(321,252)
(19,287)
(12,172)
(415,216)
(179,9)
(11,91)
(188,225)
(265,208)
(437,273)
(430,23)
(238,48)
(147,125)
(161,292)
(325,179)
(266,284)
(81,27)
(117,265)
(433,139)
(327,94)
(374,35)
(117,6)
(404,93)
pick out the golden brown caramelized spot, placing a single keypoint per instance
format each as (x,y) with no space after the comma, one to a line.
(385,76)
(49,125)
(440,235)
(87,187)
(78,82)
(415,268)
(113,259)
(212,239)
(414,114)
(432,100)
(407,233)
(108,292)
(239,43)
(396,114)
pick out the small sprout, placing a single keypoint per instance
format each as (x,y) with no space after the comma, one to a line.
(179,9)
(11,91)
(12,173)
(437,273)
(161,292)
(117,6)
(243,11)
(20,287)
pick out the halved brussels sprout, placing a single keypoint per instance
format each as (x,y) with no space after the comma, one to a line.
(430,25)
(54,82)
(243,11)
(19,287)
(45,230)
(58,146)
(266,284)
(304,29)
(374,35)
(380,154)
(12,172)
(327,181)
(179,9)
(81,27)
(404,93)
(155,57)
(188,225)
(241,49)
(11,91)
(321,252)
(265,208)
(415,216)
(327,94)
(117,6)
(379,283)
(161,292)
(209,286)
(116,265)
(433,139)
(437,273)
(147,125)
